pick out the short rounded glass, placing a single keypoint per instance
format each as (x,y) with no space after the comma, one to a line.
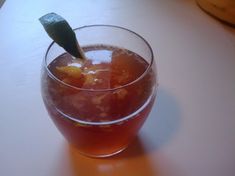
(101,122)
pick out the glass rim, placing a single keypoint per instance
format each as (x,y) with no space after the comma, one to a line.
(101,90)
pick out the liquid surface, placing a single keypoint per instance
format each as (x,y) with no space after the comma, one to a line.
(105,67)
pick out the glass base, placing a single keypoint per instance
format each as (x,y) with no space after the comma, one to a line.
(101,155)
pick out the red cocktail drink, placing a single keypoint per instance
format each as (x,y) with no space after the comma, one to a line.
(99,104)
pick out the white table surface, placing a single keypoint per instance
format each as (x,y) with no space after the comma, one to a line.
(191,130)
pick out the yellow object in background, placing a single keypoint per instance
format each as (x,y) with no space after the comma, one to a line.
(222,9)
